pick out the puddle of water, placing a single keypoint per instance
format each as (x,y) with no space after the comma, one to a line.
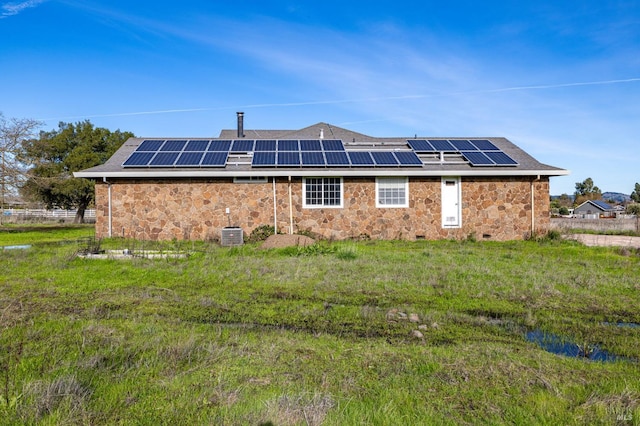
(561,346)
(622,324)
(18,247)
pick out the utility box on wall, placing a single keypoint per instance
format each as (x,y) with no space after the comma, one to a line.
(231,236)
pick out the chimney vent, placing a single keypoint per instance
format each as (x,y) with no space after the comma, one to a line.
(240,124)
(321,133)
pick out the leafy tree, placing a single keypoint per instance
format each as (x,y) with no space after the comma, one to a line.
(633,209)
(55,155)
(13,132)
(635,195)
(586,190)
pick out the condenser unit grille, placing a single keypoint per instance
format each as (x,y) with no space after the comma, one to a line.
(231,236)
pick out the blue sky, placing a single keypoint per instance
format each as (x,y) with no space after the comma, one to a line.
(561,79)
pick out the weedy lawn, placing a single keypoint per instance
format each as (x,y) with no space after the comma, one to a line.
(370,332)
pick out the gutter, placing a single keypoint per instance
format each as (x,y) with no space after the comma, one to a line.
(275,211)
(147,173)
(533,206)
(104,179)
(290,209)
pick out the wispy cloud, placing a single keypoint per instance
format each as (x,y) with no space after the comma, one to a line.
(354,100)
(14,8)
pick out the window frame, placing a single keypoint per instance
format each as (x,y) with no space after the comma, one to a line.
(325,196)
(404,180)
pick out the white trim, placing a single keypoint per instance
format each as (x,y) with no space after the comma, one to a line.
(321,206)
(396,180)
(152,173)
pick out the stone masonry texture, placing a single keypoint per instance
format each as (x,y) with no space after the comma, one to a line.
(195,209)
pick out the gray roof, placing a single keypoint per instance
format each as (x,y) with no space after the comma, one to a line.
(598,204)
(527,165)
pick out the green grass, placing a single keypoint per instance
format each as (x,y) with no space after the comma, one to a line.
(314,335)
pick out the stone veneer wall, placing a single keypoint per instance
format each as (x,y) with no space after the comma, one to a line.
(492,208)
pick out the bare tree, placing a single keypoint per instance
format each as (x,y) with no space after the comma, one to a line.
(13,132)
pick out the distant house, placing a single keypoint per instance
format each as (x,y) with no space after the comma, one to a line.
(594,209)
(322,179)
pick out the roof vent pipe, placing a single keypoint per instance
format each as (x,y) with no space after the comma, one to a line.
(240,124)
(321,133)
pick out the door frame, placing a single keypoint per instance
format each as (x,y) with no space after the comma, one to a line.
(448,197)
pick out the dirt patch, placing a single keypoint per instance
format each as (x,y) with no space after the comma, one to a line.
(288,240)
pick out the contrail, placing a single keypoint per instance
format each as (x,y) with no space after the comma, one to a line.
(556,86)
(359,100)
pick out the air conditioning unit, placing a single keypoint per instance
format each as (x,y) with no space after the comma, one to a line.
(231,236)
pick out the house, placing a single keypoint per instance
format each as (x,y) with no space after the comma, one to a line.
(323,179)
(594,209)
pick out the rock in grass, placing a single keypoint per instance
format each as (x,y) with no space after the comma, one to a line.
(417,334)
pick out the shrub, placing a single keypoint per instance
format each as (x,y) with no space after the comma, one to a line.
(261,233)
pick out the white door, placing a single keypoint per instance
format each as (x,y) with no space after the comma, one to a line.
(451,208)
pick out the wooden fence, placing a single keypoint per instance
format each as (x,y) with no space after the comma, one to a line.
(43,215)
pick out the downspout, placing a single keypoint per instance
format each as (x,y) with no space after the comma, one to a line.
(275,211)
(104,179)
(533,208)
(290,208)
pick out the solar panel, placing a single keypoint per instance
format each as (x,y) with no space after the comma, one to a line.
(310,145)
(196,146)
(220,145)
(189,158)
(484,145)
(288,158)
(441,145)
(150,145)
(164,159)
(265,145)
(242,145)
(288,145)
(420,145)
(173,145)
(337,158)
(384,158)
(264,159)
(500,158)
(408,158)
(138,159)
(215,159)
(312,158)
(360,158)
(462,145)
(477,158)
(332,145)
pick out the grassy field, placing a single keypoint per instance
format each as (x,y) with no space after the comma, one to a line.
(326,334)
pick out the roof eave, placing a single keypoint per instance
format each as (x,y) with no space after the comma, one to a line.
(312,172)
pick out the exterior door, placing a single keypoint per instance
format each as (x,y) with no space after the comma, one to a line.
(451,208)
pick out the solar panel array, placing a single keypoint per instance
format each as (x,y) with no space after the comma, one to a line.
(306,153)
(180,153)
(324,153)
(264,153)
(478,152)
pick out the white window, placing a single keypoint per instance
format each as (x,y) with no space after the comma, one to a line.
(322,192)
(392,192)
